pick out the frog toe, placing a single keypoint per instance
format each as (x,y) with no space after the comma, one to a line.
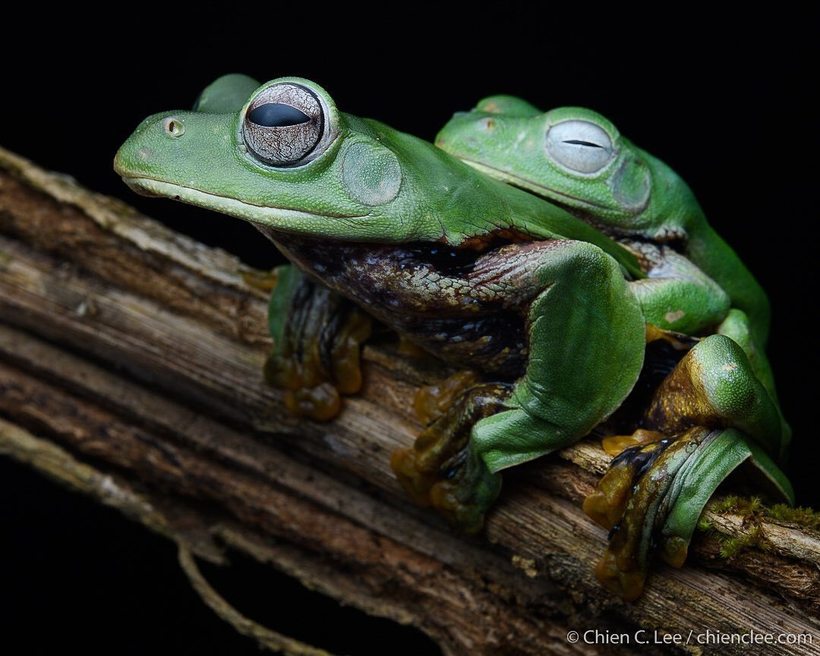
(653,495)
(416,481)
(628,585)
(318,337)
(443,469)
(616,444)
(644,482)
(606,505)
(461,491)
(433,401)
(465,498)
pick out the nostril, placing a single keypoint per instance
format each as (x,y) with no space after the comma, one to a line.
(488,124)
(173,127)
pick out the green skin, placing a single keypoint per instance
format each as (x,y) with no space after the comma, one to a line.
(626,192)
(594,171)
(372,186)
(585,165)
(378,216)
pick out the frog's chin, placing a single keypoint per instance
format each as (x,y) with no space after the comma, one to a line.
(270,217)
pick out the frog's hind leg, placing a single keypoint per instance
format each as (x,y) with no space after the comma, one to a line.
(442,469)
(585,350)
(717,415)
(317,338)
(715,386)
(736,325)
(586,342)
(663,508)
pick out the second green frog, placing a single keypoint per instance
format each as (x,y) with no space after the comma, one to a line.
(695,283)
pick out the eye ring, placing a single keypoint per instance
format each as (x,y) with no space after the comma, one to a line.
(284,124)
(580,146)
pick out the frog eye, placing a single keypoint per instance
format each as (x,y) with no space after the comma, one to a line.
(579,146)
(283,125)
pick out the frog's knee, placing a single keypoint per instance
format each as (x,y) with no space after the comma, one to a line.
(723,371)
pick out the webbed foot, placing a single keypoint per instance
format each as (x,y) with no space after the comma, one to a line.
(632,500)
(615,444)
(652,496)
(442,469)
(709,415)
(606,505)
(317,342)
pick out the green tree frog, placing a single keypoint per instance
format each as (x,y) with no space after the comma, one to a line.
(576,158)
(534,302)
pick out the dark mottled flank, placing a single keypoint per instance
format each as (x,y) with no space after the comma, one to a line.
(459,304)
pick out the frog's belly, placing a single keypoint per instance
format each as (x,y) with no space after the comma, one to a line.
(436,299)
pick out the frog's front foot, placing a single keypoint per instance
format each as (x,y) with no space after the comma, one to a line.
(317,342)
(442,468)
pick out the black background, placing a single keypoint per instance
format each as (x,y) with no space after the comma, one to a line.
(726,103)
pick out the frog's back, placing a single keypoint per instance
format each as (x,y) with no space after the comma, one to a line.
(469,205)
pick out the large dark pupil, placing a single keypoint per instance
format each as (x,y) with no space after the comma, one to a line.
(277,115)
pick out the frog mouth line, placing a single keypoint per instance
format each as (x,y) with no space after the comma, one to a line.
(528,185)
(259,214)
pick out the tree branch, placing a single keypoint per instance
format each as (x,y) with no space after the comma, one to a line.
(130,368)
